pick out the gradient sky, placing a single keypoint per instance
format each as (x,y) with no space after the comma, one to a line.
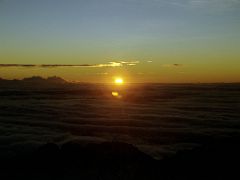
(146,40)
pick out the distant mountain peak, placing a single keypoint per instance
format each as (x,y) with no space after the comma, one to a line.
(34,78)
(56,79)
(53,79)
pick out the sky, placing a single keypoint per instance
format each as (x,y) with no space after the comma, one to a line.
(166,41)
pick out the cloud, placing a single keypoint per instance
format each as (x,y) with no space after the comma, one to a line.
(216,4)
(129,62)
(172,65)
(17,65)
(209,5)
(110,64)
(177,65)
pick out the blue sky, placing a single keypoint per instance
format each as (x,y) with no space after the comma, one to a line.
(192,32)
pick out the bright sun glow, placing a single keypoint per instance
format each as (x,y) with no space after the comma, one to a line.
(119,81)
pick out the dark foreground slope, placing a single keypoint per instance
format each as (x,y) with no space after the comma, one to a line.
(115,160)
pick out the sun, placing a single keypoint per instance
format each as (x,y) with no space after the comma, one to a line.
(119,81)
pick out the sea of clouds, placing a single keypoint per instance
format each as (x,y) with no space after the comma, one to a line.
(159,119)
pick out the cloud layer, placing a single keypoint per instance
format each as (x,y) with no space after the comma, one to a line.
(110,64)
(222,4)
(160,119)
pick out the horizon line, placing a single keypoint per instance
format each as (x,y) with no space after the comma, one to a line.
(76,81)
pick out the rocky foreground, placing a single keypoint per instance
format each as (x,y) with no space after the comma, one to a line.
(116,160)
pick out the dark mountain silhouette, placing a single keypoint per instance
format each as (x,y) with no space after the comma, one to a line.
(33,82)
(56,79)
(116,160)
(36,79)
